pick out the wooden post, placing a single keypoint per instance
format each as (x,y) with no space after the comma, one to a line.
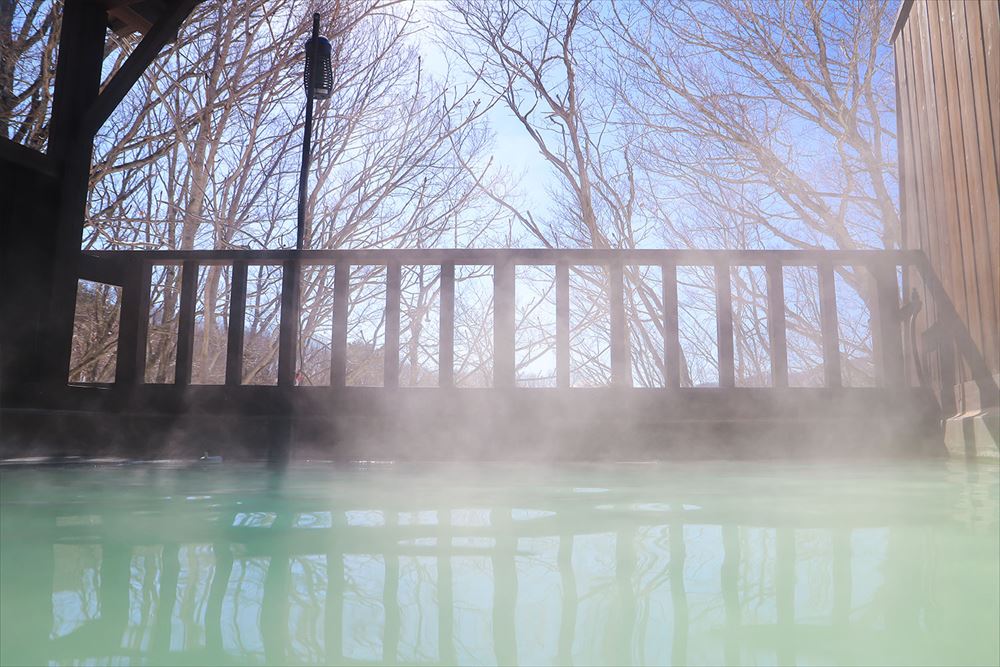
(503,325)
(724,308)
(185,323)
(446,334)
(393,281)
(562,325)
(338,334)
(621,371)
(776,324)
(133,327)
(886,330)
(828,324)
(671,328)
(237,324)
(78,82)
(288,328)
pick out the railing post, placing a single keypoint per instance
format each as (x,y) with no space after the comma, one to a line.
(562,325)
(185,323)
(503,325)
(338,334)
(288,331)
(621,373)
(237,324)
(393,280)
(888,338)
(446,330)
(133,327)
(724,308)
(671,328)
(828,324)
(776,324)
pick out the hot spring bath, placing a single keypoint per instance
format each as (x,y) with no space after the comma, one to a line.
(680,563)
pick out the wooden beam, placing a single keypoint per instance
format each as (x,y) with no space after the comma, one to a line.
(163,31)
(27,158)
(105,270)
(78,80)
(533,256)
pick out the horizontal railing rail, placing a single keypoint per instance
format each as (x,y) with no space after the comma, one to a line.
(539,256)
(132,270)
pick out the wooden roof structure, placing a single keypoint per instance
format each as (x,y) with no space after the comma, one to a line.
(127,17)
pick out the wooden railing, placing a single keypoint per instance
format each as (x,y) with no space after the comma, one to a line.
(133,272)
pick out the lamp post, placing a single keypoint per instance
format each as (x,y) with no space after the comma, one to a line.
(319,84)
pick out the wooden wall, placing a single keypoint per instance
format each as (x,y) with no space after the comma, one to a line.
(948,110)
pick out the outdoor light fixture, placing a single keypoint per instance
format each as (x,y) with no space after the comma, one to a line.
(319,71)
(318,79)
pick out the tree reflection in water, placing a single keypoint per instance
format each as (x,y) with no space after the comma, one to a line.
(689,564)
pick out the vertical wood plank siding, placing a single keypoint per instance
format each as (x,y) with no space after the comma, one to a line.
(948,110)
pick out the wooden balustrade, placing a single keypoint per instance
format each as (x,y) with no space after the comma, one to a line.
(132,270)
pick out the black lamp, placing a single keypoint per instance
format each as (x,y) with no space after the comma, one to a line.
(319,71)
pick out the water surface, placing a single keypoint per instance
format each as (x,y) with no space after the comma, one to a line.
(668,564)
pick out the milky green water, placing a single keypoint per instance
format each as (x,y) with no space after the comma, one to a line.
(682,564)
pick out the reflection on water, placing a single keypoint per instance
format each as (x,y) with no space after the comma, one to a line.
(689,564)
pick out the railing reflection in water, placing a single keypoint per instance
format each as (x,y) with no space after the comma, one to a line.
(584,578)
